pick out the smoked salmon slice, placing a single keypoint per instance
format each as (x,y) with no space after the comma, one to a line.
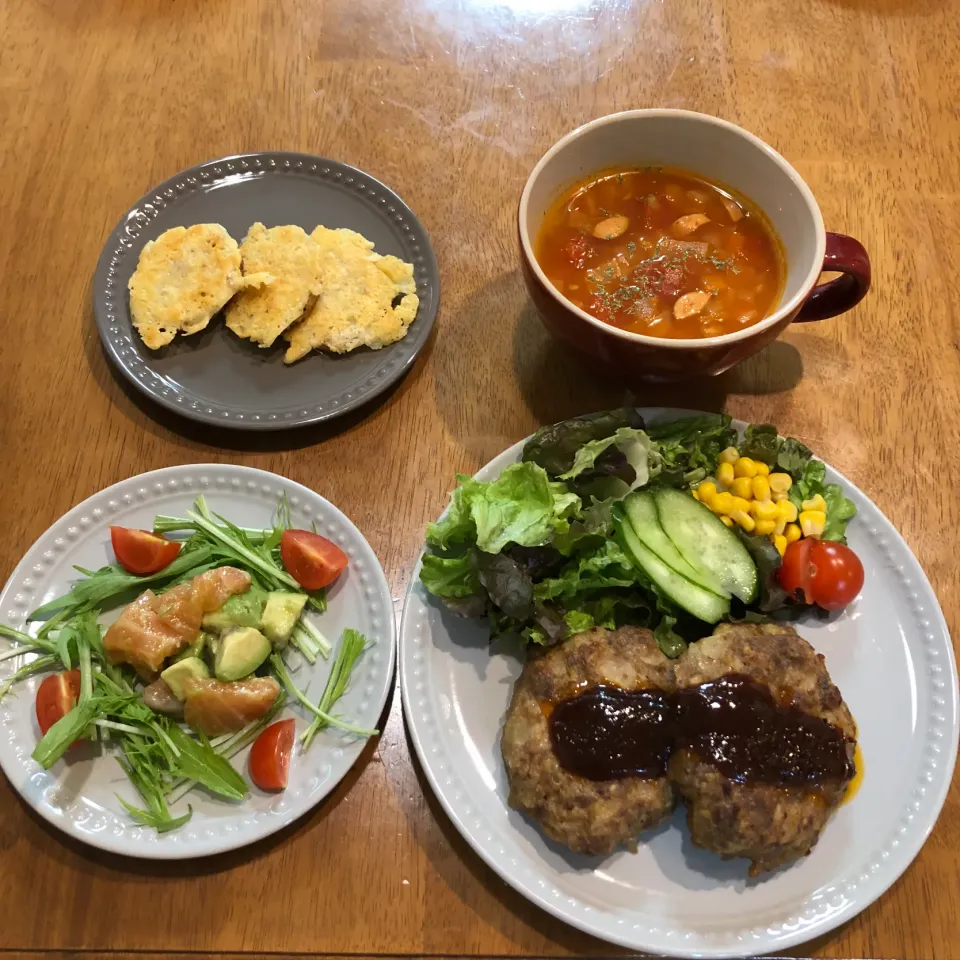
(215,587)
(153,627)
(214,707)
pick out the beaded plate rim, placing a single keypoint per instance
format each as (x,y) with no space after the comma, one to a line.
(111,306)
(824,910)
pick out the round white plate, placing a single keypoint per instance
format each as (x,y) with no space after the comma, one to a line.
(891,656)
(79,796)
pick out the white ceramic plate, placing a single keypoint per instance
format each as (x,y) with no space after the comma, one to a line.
(79,796)
(891,656)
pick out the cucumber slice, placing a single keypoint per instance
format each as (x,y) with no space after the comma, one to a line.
(703,604)
(705,543)
(641,513)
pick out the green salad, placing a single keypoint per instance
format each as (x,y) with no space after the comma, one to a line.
(174,718)
(608,521)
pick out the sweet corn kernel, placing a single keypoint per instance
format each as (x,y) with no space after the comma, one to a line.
(724,503)
(812,522)
(780,482)
(780,542)
(744,519)
(762,469)
(792,533)
(764,510)
(731,455)
(740,503)
(727,521)
(787,511)
(707,491)
(761,487)
(742,487)
(816,502)
(745,467)
(780,527)
(778,496)
(764,528)
(725,475)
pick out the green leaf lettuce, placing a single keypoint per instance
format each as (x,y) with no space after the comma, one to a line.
(521,506)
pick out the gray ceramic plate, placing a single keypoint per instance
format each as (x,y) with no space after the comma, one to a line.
(214,377)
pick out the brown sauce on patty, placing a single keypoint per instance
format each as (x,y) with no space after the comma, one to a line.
(733,723)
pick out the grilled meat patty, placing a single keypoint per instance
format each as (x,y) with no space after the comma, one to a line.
(588,816)
(769,824)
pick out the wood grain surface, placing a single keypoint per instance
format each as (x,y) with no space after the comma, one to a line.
(451,102)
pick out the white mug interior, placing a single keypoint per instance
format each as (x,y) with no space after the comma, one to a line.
(700,144)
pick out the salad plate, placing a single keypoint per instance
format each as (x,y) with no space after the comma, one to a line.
(81,794)
(890,654)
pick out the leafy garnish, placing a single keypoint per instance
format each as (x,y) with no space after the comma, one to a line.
(198,761)
(352,645)
(453,577)
(283,675)
(508,585)
(104,585)
(555,447)
(840,510)
(689,448)
(669,641)
(521,506)
(634,449)
(765,555)
(61,736)
(761,441)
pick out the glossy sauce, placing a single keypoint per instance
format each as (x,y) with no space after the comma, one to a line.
(607,733)
(853,787)
(663,253)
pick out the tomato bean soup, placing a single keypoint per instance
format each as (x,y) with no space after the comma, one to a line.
(663,253)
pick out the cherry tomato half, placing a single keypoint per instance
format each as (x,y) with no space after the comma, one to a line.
(270,756)
(822,572)
(142,552)
(56,697)
(313,561)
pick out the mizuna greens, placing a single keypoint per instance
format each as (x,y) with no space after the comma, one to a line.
(541,550)
(162,759)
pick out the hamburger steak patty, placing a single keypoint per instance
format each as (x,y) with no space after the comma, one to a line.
(769,824)
(588,816)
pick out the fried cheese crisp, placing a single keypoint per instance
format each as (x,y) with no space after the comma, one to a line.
(183,279)
(356,307)
(293,258)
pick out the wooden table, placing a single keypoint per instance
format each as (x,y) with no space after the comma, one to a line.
(451,104)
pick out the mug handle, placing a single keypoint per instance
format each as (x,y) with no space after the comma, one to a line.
(847,256)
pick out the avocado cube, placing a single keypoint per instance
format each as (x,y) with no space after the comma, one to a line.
(179,675)
(196,649)
(280,615)
(242,610)
(240,652)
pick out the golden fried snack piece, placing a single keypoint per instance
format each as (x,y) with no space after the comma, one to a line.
(356,307)
(183,279)
(293,258)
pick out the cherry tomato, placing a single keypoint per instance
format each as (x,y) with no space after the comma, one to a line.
(822,572)
(142,552)
(794,572)
(270,756)
(56,697)
(313,561)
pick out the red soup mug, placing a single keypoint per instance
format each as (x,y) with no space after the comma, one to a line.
(721,152)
